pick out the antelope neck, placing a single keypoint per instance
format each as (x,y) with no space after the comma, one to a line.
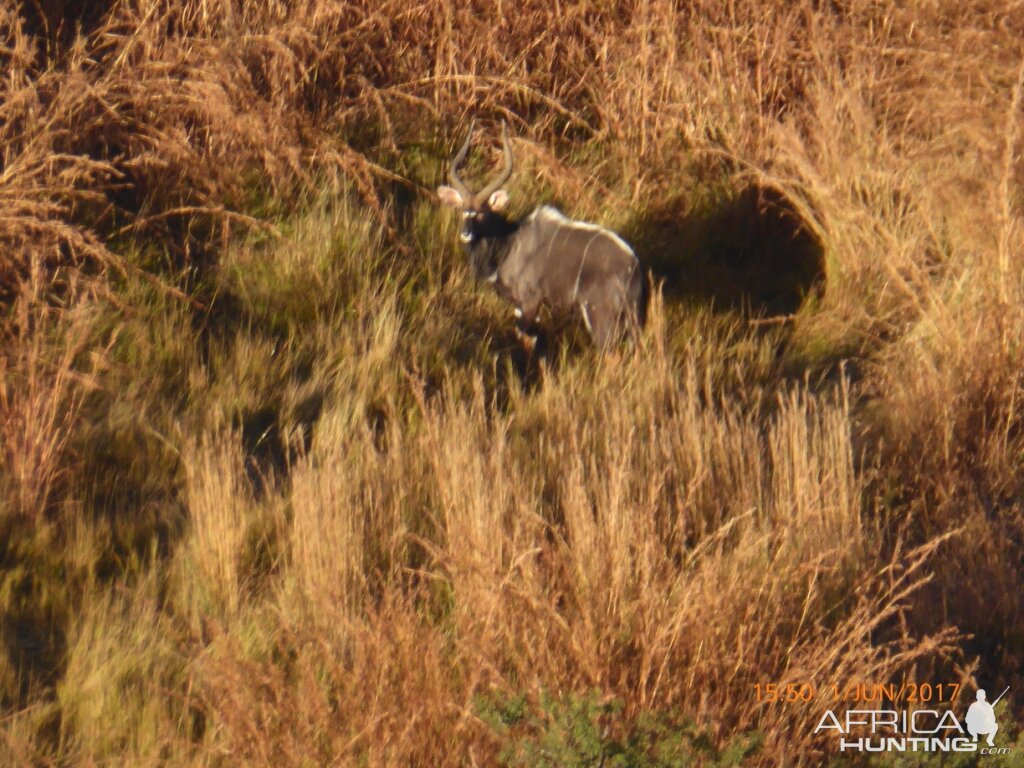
(489,252)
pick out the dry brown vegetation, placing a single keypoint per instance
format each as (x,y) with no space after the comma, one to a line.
(278,487)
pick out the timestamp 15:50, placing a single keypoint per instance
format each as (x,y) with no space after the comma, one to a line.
(784,692)
(910,693)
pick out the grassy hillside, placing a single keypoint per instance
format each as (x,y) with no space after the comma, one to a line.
(278,485)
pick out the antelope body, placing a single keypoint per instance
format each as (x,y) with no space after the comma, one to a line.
(546,259)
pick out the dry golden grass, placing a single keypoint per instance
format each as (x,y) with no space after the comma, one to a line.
(278,488)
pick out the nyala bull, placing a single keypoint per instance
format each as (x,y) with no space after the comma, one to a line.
(546,259)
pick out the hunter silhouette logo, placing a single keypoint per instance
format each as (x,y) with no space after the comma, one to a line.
(981,717)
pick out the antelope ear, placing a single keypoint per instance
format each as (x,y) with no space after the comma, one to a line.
(450,196)
(498,200)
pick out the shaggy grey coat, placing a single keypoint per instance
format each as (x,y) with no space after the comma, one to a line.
(549,260)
